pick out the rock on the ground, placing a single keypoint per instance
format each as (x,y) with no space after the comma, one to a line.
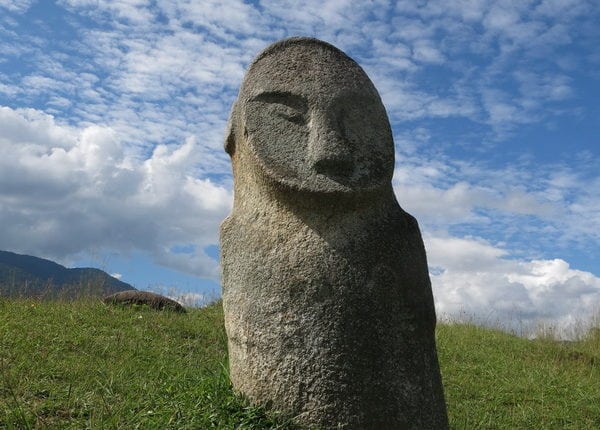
(152,300)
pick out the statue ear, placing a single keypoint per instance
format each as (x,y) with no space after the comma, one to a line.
(230,141)
(230,131)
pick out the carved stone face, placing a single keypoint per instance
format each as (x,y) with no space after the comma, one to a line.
(315,122)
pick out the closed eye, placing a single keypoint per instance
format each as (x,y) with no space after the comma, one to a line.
(288,106)
(291,115)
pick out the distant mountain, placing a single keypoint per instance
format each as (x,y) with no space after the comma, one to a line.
(28,276)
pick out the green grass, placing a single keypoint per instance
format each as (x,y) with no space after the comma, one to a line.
(494,380)
(84,365)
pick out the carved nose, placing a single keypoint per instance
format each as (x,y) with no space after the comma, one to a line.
(339,166)
(329,150)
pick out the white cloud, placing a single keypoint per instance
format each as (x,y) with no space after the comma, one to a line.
(424,51)
(221,17)
(562,8)
(536,88)
(476,281)
(132,11)
(67,190)
(532,205)
(191,300)
(440,193)
(28,126)
(18,6)
(195,54)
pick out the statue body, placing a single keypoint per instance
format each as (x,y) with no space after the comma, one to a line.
(328,305)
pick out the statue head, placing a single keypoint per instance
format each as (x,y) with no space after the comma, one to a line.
(313,120)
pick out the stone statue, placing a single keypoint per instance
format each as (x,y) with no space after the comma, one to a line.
(328,305)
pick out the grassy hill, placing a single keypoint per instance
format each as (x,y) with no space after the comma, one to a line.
(84,365)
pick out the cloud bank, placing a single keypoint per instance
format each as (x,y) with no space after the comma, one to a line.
(474,281)
(66,190)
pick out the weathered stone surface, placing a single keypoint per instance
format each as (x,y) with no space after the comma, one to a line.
(136,297)
(328,304)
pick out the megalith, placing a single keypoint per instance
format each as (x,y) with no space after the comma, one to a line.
(327,299)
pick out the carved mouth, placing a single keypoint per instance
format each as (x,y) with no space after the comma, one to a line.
(334,167)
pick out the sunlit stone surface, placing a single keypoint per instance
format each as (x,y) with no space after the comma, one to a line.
(327,298)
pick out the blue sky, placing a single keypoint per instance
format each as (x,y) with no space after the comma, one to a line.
(112,119)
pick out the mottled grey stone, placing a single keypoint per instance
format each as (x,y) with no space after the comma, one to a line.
(328,305)
(136,297)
